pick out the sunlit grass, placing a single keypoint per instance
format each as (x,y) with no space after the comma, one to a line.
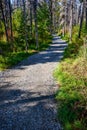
(9,58)
(71,76)
(72,98)
(14,58)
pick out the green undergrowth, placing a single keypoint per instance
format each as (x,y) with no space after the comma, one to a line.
(71,75)
(9,58)
(72,95)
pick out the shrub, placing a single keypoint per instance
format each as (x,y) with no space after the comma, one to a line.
(72,94)
(71,75)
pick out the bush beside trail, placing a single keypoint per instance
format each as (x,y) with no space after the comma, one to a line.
(71,75)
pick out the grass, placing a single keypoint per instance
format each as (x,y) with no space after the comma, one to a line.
(71,76)
(9,59)
(72,94)
(13,58)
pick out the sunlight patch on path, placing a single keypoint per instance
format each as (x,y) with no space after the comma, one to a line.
(27,91)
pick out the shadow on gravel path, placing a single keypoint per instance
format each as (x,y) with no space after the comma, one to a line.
(27,92)
(53,53)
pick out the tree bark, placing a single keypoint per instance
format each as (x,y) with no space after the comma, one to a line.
(10,11)
(25,28)
(71,20)
(79,14)
(51,15)
(31,17)
(35,20)
(81,21)
(86,14)
(3,16)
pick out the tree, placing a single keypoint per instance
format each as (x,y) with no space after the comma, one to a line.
(3,17)
(86,13)
(10,13)
(25,26)
(71,19)
(36,23)
(31,11)
(81,21)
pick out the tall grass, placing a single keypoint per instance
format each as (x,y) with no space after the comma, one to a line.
(71,75)
(9,58)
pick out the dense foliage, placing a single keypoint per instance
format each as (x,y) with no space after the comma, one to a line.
(26,31)
(71,74)
(72,79)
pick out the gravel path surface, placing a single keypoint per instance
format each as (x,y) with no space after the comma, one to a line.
(27,92)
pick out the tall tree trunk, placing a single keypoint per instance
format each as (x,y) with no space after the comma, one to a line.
(36,27)
(65,24)
(31,17)
(25,27)
(10,11)
(81,21)
(51,15)
(86,14)
(71,20)
(79,14)
(3,16)
(63,14)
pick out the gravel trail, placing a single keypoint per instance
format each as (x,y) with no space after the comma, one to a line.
(27,92)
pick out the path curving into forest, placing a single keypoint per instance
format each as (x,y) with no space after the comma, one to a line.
(27,91)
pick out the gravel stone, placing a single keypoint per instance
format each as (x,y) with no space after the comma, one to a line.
(27,91)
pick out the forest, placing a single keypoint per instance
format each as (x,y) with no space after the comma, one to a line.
(72,71)
(26,27)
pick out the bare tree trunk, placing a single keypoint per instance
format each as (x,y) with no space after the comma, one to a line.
(36,27)
(71,20)
(1,6)
(82,15)
(86,14)
(63,15)
(51,15)
(31,17)
(65,25)
(79,14)
(10,11)
(25,28)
